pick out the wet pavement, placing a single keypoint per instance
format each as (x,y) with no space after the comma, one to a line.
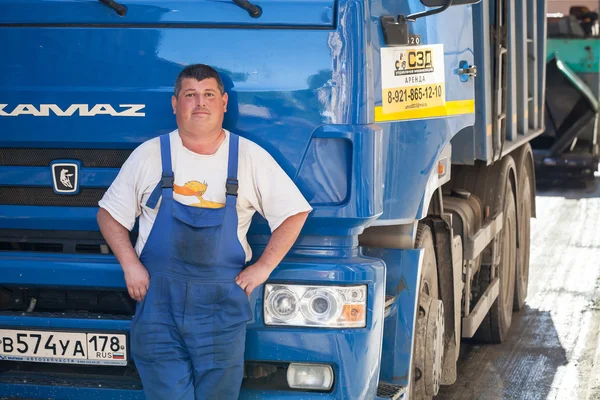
(552,351)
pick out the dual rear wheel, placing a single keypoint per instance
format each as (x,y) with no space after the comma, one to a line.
(513,244)
(512,270)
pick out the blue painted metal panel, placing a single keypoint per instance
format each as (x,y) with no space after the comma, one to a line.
(42,176)
(474,143)
(64,393)
(321,154)
(268,105)
(306,95)
(277,394)
(356,371)
(62,324)
(139,66)
(526,27)
(522,77)
(48,218)
(354,353)
(362,171)
(317,13)
(403,283)
(542,8)
(92,271)
(511,90)
(533,62)
(68,393)
(453,28)
(412,148)
(319,86)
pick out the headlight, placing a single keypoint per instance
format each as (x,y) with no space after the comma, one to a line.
(282,304)
(326,306)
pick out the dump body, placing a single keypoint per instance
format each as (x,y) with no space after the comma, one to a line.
(506,118)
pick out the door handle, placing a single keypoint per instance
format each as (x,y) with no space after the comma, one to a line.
(465,71)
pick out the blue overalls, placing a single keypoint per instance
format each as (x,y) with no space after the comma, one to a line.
(188,333)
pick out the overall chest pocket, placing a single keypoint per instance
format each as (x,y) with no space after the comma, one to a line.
(197,234)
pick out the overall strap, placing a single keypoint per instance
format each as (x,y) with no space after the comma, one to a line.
(231,185)
(165,185)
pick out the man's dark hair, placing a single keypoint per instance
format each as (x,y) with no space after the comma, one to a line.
(198,72)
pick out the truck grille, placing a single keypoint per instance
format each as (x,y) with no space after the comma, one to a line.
(52,303)
(69,315)
(56,241)
(90,158)
(45,196)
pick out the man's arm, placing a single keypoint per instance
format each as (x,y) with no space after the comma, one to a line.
(282,240)
(117,237)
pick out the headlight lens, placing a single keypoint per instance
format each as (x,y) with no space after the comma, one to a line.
(283,305)
(327,306)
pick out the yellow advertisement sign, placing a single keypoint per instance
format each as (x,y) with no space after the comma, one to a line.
(413,98)
(412,78)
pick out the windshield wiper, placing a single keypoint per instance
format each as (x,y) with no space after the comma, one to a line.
(254,11)
(119,8)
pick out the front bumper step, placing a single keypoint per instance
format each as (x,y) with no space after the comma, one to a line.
(389,391)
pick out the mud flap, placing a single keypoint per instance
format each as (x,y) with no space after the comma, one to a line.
(450,286)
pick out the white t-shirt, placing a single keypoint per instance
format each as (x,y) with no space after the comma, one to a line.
(200,181)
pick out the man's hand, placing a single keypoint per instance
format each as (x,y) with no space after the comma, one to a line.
(253,276)
(137,280)
(279,244)
(117,237)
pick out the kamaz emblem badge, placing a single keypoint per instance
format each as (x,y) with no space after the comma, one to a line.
(65,176)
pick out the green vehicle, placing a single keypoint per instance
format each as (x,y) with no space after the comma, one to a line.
(569,145)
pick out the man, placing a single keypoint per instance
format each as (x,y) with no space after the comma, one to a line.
(195,191)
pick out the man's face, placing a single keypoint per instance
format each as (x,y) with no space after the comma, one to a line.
(200,106)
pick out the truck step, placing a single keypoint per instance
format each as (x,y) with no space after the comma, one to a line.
(389,391)
(471,322)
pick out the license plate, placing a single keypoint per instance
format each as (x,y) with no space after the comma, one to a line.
(63,347)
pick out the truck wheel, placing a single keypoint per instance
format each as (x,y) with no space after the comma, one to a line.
(522,271)
(495,325)
(429,339)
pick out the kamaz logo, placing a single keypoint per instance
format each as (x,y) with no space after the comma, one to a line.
(83,110)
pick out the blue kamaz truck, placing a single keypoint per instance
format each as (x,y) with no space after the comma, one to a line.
(405,123)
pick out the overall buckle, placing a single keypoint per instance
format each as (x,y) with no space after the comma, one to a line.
(231,187)
(167,181)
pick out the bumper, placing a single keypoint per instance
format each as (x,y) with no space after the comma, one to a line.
(354,354)
(79,271)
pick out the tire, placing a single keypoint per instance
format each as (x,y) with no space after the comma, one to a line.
(429,327)
(496,324)
(522,267)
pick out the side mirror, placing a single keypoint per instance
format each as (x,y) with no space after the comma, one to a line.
(440,3)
